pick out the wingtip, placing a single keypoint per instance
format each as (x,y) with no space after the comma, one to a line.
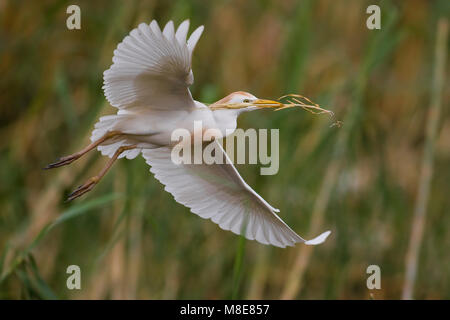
(185,21)
(319,239)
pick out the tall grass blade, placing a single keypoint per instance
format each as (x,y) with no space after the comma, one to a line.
(426,172)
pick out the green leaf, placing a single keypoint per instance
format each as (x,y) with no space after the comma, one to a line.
(71,213)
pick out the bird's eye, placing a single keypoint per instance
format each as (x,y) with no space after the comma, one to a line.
(246,101)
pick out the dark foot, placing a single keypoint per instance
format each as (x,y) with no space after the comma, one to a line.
(62,161)
(86,187)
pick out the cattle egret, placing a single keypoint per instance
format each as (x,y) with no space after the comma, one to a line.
(148,83)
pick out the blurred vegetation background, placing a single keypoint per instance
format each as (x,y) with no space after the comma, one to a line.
(133,241)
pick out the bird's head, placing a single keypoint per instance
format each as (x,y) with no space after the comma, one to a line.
(245,102)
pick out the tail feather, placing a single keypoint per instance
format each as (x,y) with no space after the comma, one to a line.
(109,147)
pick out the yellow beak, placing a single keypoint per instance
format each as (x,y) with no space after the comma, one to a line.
(262,103)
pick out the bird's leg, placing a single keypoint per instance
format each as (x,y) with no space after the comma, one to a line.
(71,158)
(91,182)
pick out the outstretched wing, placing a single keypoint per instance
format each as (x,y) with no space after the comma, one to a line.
(219,193)
(152,68)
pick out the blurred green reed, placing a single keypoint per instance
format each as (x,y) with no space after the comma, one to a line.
(359,180)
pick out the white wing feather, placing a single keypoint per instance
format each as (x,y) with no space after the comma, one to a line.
(219,193)
(153,68)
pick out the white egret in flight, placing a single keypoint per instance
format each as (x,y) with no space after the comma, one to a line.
(148,83)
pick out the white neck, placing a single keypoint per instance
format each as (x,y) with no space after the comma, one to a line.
(226,119)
